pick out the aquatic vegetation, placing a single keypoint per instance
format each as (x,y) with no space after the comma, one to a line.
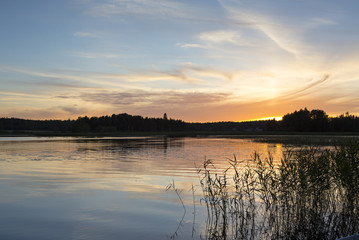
(313,193)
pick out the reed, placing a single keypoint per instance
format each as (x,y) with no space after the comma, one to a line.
(313,193)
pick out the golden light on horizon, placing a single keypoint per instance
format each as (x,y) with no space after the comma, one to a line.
(267,118)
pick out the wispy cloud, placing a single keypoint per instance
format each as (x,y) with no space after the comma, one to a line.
(73,110)
(19,94)
(317,22)
(303,91)
(209,71)
(91,79)
(219,39)
(54,112)
(186,72)
(191,45)
(120,80)
(168,98)
(221,36)
(92,55)
(289,34)
(152,76)
(86,34)
(282,35)
(158,8)
(54,84)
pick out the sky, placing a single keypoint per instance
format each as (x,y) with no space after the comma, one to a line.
(198,61)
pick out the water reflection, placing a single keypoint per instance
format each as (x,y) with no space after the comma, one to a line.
(109,188)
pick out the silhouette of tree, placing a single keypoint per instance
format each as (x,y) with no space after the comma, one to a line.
(297,121)
(319,120)
(306,121)
(344,123)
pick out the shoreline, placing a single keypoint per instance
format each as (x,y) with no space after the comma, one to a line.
(171,134)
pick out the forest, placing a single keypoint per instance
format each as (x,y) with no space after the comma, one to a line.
(303,120)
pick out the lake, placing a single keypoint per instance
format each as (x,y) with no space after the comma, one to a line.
(111,188)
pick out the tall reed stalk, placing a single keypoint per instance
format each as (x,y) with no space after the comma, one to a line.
(312,193)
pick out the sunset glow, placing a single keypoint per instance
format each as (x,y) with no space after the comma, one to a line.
(268,118)
(198,61)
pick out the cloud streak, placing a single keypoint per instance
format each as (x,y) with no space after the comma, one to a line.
(85,34)
(305,91)
(92,55)
(168,98)
(158,8)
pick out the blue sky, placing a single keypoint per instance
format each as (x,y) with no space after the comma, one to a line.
(195,60)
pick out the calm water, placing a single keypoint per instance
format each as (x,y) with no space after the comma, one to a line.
(109,188)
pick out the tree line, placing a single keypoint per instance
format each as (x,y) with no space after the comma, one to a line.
(297,121)
(318,121)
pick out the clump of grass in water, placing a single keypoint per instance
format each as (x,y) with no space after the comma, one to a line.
(312,194)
